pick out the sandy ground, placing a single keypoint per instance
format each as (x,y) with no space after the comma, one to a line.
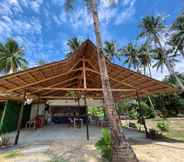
(70,144)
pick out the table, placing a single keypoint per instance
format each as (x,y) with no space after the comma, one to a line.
(30,123)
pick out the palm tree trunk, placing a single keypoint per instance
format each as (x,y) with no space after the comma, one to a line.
(169,66)
(149,98)
(122,151)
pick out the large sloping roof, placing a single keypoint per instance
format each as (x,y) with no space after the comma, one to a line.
(54,80)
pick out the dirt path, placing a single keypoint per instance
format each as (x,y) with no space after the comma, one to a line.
(77,150)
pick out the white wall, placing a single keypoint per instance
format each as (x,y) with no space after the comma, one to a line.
(90,102)
(34,109)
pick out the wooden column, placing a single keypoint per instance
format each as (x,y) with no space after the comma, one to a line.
(87,127)
(20,119)
(3,116)
(84,73)
(38,106)
(141,114)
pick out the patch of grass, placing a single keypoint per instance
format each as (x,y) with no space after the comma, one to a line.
(177,135)
(176,127)
(12,154)
(57,160)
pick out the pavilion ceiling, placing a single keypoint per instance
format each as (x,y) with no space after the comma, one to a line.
(79,73)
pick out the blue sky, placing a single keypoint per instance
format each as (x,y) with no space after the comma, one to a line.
(42,27)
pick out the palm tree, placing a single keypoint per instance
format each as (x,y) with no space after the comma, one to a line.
(159,59)
(110,50)
(11,57)
(73,45)
(122,151)
(169,79)
(131,54)
(145,58)
(139,57)
(177,38)
(151,29)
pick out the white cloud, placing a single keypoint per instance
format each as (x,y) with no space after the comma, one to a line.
(126,2)
(35,5)
(107,14)
(108,3)
(126,15)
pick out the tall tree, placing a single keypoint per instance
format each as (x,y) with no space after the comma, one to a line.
(122,151)
(177,36)
(12,57)
(139,58)
(111,51)
(151,29)
(131,56)
(145,58)
(73,45)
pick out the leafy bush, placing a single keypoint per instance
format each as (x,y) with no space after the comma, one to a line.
(132,125)
(104,145)
(131,107)
(4,140)
(163,126)
(96,112)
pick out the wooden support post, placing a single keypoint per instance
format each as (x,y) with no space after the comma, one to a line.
(3,116)
(20,119)
(141,115)
(38,106)
(84,73)
(87,120)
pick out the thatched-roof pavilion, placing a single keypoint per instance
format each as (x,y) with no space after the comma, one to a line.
(79,73)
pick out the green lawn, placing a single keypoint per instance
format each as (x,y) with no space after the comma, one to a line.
(11,154)
(176,127)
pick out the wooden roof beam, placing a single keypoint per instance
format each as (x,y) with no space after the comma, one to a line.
(118,81)
(47,79)
(84,89)
(57,84)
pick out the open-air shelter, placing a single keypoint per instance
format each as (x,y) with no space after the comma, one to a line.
(79,73)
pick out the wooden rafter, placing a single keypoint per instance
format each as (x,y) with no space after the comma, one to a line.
(47,79)
(57,84)
(83,89)
(115,80)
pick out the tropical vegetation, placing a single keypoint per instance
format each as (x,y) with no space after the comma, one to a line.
(12,58)
(104,145)
(73,44)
